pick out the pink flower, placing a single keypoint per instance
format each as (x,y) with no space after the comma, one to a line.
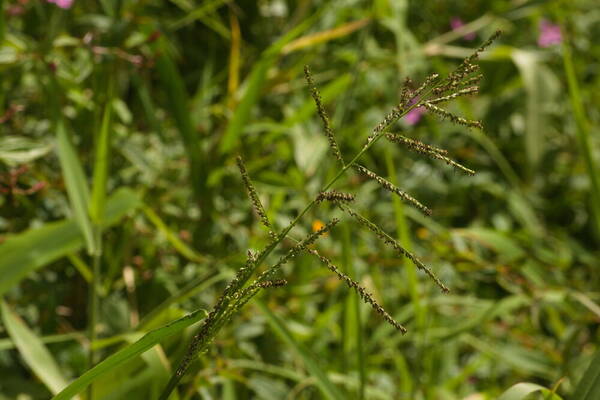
(414,115)
(65,4)
(457,23)
(549,34)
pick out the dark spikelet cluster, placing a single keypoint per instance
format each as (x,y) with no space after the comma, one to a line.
(394,244)
(334,196)
(428,150)
(454,118)
(323,115)
(272,283)
(393,188)
(362,292)
(458,77)
(258,207)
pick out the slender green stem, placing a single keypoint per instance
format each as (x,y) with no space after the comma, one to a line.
(93,309)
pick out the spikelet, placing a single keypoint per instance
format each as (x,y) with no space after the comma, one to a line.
(258,207)
(324,118)
(393,188)
(466,67)
(462,92)
(272,283)
(454,118)
(334,196)
(390,241)
(428,150)
(413,143)
(362,292)
(426,84)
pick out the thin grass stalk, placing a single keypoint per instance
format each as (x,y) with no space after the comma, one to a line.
(583,133)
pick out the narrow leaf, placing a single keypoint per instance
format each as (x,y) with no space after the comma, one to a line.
(329,390)
(76,185)
(33,351)
(145,343)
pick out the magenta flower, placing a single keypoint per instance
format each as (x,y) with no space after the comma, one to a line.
(549,34)
(414,115)
(456,23)
(64,4)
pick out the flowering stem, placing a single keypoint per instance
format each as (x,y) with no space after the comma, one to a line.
(200,341)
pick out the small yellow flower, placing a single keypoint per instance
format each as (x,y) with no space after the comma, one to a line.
(317,225)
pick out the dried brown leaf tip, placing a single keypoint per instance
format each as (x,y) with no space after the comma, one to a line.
(253,194)
(323,115)
(362,292)
(334,197)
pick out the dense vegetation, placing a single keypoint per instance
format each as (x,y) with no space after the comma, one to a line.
(122,206)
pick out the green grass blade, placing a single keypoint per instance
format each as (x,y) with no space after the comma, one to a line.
(589,386)
(255,83)
(145,343)
(353,330)
(33,351)
(583,132)
(522,390)
(35,248)
(178,105)
(77,188)
(177,243)
(101,166)
(329,390)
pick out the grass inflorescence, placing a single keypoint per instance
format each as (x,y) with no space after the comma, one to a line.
(242,288)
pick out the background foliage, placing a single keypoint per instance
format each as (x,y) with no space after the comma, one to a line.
(139,108)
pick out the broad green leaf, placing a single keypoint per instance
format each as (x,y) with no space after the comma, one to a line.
(33,351)
(25,252)
(589,386)
(522,390)
(329,390)
(145,343)
(77,188)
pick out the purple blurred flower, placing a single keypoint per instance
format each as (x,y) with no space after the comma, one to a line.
(549,34)
(457,23)
(414,115)
(65,4)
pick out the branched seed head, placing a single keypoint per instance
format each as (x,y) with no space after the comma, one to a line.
(362,292)
(323,114)
(454,118)
(428,150)
(393,188)
(258,207)
(334,196)
(395,245)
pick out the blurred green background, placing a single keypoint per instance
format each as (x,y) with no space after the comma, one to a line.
(168,93)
